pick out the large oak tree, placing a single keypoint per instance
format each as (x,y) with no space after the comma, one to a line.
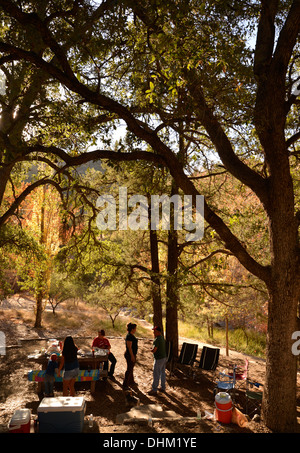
(119,60)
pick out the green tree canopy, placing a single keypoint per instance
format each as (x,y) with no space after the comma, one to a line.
(133,61)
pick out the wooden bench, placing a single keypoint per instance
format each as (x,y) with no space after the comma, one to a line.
(91,376)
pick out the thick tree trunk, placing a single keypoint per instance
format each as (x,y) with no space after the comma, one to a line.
(271,110)
(279,403)
(39,310)
(279,407)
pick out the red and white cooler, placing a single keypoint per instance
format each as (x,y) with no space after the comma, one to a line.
(20,421)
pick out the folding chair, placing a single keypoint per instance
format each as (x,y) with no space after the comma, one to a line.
(209,358)
(187,354)
(208,361)
(226,383)
(254,397)
(241,375)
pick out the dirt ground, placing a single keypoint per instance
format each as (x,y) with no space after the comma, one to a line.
(184,395)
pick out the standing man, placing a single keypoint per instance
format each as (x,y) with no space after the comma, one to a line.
(102,343)
(160,360)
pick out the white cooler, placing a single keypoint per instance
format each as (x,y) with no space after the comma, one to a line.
(63,414)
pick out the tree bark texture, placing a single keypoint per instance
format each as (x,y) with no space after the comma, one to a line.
(275,191)
(271,109)
(172,283)
(172,294)
(155,281)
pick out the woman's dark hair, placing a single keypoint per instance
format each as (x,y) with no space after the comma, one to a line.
(102,332)
(69,346)
(130,326)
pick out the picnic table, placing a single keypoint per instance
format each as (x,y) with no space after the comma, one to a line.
(91,366)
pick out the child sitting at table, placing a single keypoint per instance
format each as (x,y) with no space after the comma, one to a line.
(49,375)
